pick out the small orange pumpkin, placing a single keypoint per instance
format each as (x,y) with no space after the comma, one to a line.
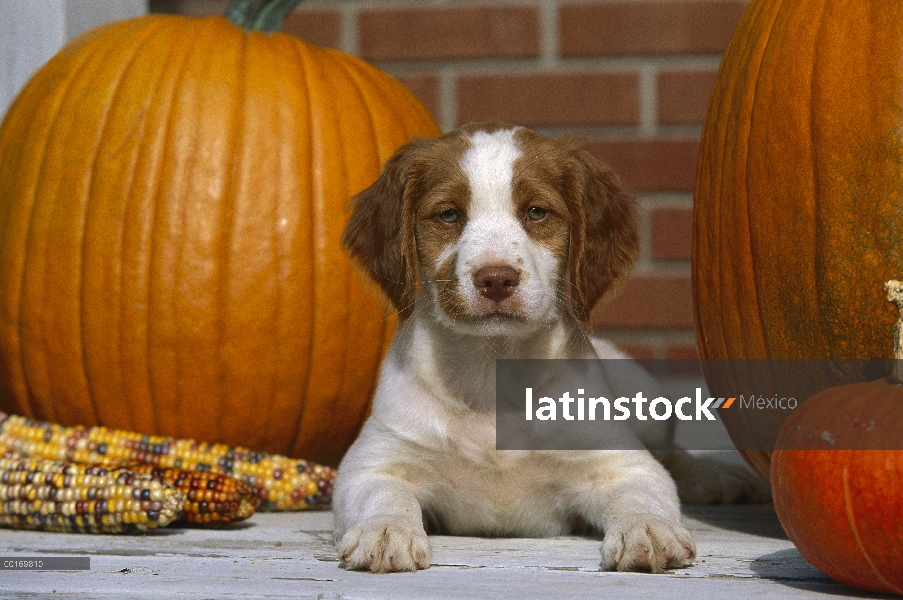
(797,200)
(844,508)
(837,479)
(172,194)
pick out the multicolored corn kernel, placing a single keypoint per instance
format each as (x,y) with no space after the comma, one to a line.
(279,482)
(210,498)
(56,495)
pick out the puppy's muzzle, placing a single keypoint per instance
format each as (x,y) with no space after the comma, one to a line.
(496,283)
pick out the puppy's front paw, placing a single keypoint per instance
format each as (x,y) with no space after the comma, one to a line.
(648,543)
(382,544)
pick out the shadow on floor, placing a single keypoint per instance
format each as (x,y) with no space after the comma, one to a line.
(756,519)
(788,567)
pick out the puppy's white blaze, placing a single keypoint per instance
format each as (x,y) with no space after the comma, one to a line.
(489,166)
(493,234)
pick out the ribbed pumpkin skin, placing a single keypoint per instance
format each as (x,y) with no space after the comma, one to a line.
(844,508)
(172,194)
(798,219)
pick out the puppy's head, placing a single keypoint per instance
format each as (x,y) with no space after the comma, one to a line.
(503,227)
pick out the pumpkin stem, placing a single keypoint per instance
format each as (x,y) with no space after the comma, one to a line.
(894,291)
(260,15)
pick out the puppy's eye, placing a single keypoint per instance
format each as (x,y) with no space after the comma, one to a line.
(449,216)
(536,214)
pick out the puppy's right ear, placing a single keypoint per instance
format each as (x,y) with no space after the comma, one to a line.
(379,234)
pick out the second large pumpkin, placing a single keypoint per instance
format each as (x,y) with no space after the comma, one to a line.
(798,219)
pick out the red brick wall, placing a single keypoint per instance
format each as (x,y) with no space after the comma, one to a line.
(633,76)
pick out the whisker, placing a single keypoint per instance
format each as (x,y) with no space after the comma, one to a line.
(374,276)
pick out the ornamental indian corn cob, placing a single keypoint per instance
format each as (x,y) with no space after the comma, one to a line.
(281,483)
(209,497)
(60,496)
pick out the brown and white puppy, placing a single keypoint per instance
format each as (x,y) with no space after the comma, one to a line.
(491,242)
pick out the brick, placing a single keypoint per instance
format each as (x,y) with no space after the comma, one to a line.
(649,302)
(550,99)
(444,33)
(318,27)
(683,96)
(425,86)
(619,28)
(651,165)
(672,233)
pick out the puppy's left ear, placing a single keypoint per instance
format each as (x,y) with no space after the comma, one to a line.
(603,239)
(379,234)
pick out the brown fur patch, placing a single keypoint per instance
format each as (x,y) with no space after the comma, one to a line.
(445,188)
(593,226)
(379,234)
(393,228)
(537,174)
(604,238)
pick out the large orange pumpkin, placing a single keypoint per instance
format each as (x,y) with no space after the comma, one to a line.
(172,194)
(797,207)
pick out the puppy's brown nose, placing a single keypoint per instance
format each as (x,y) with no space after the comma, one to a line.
(496,283)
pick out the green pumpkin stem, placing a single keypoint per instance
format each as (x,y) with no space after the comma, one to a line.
(894,291)
(260,15)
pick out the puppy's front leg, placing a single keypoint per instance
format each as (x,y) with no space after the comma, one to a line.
(639,512)
(379,524)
